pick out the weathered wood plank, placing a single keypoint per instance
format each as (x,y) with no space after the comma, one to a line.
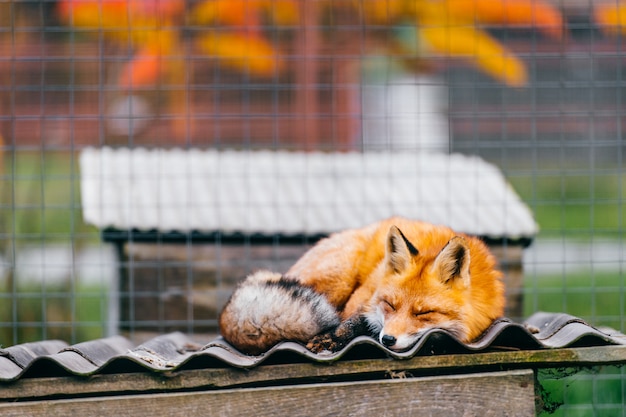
(486,394)
(32,388)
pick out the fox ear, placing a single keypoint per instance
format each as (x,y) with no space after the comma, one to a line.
(453,261)
(399,250)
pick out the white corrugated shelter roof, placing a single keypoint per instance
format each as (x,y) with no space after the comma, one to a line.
(280,192)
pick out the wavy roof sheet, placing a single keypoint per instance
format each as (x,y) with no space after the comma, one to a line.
(295,193)
(176,351)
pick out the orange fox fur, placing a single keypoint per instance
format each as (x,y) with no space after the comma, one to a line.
(394,279)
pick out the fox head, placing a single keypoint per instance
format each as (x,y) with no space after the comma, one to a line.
(422,289)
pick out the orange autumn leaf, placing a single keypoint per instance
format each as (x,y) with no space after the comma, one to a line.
(142,71)
(247,53)
(611,17)
(452,27)
(119,14)
(111,18)
(241,13)
(136,21)
(143,24)
(531,13)
(478,47)
(381,12)
(243,47)
(282,12)
(227,12)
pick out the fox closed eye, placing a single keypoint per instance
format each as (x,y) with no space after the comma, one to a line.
(427,315)
(387,305)
(423,313)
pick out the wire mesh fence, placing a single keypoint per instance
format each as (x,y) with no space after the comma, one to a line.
(533,88)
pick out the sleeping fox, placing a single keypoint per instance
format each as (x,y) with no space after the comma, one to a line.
(393,280)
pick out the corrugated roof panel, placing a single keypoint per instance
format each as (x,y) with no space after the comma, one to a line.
(178,351)
(295,193)
(15,359)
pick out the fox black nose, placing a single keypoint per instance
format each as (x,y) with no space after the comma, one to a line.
(388,340)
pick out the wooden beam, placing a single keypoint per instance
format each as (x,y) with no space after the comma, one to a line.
(222,378)
(486,394)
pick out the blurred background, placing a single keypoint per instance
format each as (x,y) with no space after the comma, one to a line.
(536,88)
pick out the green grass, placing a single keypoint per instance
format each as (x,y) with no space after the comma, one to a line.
(585,392)
(40,198)
(61,312)
(599,298)
(574,205)
(40,204)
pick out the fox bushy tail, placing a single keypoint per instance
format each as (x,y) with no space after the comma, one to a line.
(268,308)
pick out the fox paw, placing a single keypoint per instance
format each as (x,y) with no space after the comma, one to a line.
(324,342)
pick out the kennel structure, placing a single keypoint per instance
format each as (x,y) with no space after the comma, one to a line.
(189,224)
